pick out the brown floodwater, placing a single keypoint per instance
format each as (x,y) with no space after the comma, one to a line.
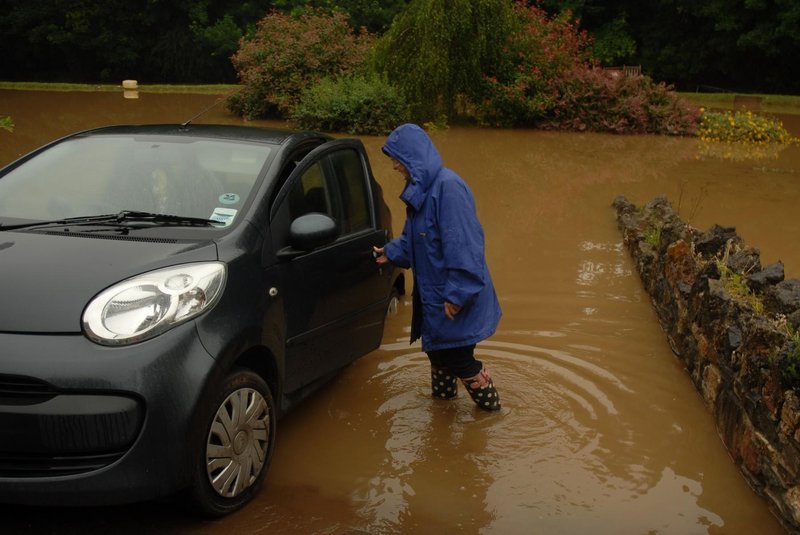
(601,430)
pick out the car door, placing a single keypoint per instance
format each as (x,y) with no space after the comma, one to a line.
(333,296)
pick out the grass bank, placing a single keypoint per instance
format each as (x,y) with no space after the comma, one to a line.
(700,99)
(769,103)
(213,89)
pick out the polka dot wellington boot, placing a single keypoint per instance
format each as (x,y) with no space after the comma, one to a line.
(482,391)
(444,384)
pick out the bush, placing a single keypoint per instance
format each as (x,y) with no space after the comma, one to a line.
(356,105)
(599,100)
(287,54)
(742,126)
(549,80)
(538,51)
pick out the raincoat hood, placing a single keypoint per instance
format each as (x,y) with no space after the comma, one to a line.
(411,146)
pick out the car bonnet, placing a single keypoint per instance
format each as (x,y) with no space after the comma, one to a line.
(47,279)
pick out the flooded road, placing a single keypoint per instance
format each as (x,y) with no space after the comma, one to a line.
(601,430)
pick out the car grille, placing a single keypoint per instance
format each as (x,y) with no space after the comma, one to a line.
(24,466)
(48,432)
(15,390)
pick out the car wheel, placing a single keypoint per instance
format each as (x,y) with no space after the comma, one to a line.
(236,447)
(394,303)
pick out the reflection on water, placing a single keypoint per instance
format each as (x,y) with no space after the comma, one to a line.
(601,430)
(739,150)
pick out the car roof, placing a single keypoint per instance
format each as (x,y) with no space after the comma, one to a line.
(258,134)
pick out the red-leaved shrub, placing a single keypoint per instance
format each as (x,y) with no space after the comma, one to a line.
(540,50)
(549,80)
(601,100)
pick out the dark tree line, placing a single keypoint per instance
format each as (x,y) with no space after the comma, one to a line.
(739,45)
(152,40)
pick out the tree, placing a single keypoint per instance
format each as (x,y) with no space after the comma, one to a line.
(723,44)
(374,15)
(438,50)
(73,37)
(155,40)
(613,39)
(754,43)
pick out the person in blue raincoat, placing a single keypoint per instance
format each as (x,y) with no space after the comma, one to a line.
(454,301)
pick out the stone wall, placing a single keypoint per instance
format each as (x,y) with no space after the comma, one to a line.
(732,323)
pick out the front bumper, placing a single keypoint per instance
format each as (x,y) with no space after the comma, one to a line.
(82,424)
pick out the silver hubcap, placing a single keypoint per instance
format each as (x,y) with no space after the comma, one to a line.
(394,304)
(237,442)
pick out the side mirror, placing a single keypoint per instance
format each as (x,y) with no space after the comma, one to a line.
(312,230)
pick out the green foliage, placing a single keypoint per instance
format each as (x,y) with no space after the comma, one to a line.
(613,42)
(733,44)
(538,51)
(548,80)
(436,52)
(116,39)
(374,15)
(652,236)
(356,105)
(742,126)
(220,38)
(290,53)
(6,123)
(736,286)
(752,40)
(791,361)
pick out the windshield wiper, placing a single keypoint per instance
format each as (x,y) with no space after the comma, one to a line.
(82,220)
(125,218)
(157,220)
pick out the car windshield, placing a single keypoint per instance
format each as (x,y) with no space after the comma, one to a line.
(103,174)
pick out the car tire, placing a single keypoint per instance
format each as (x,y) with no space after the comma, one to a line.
(233,452)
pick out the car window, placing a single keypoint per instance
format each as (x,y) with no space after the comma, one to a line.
(336,184)
(310,193)
(353,191)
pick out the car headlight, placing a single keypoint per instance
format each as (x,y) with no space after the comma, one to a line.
(147,305)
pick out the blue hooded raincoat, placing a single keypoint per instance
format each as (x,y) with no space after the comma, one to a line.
(443,243)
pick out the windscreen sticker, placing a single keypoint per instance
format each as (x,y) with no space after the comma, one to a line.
(223,215)
(229,198)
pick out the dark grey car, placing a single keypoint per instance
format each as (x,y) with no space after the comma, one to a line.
(168,292)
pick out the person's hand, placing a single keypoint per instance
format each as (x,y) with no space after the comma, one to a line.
(379,255)
(450,310)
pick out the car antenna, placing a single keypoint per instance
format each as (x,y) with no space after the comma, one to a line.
(207,109)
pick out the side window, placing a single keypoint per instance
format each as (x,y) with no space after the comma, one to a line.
(309,194)
(335,184)
(353,191)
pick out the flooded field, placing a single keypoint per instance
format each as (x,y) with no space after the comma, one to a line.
(601,430)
